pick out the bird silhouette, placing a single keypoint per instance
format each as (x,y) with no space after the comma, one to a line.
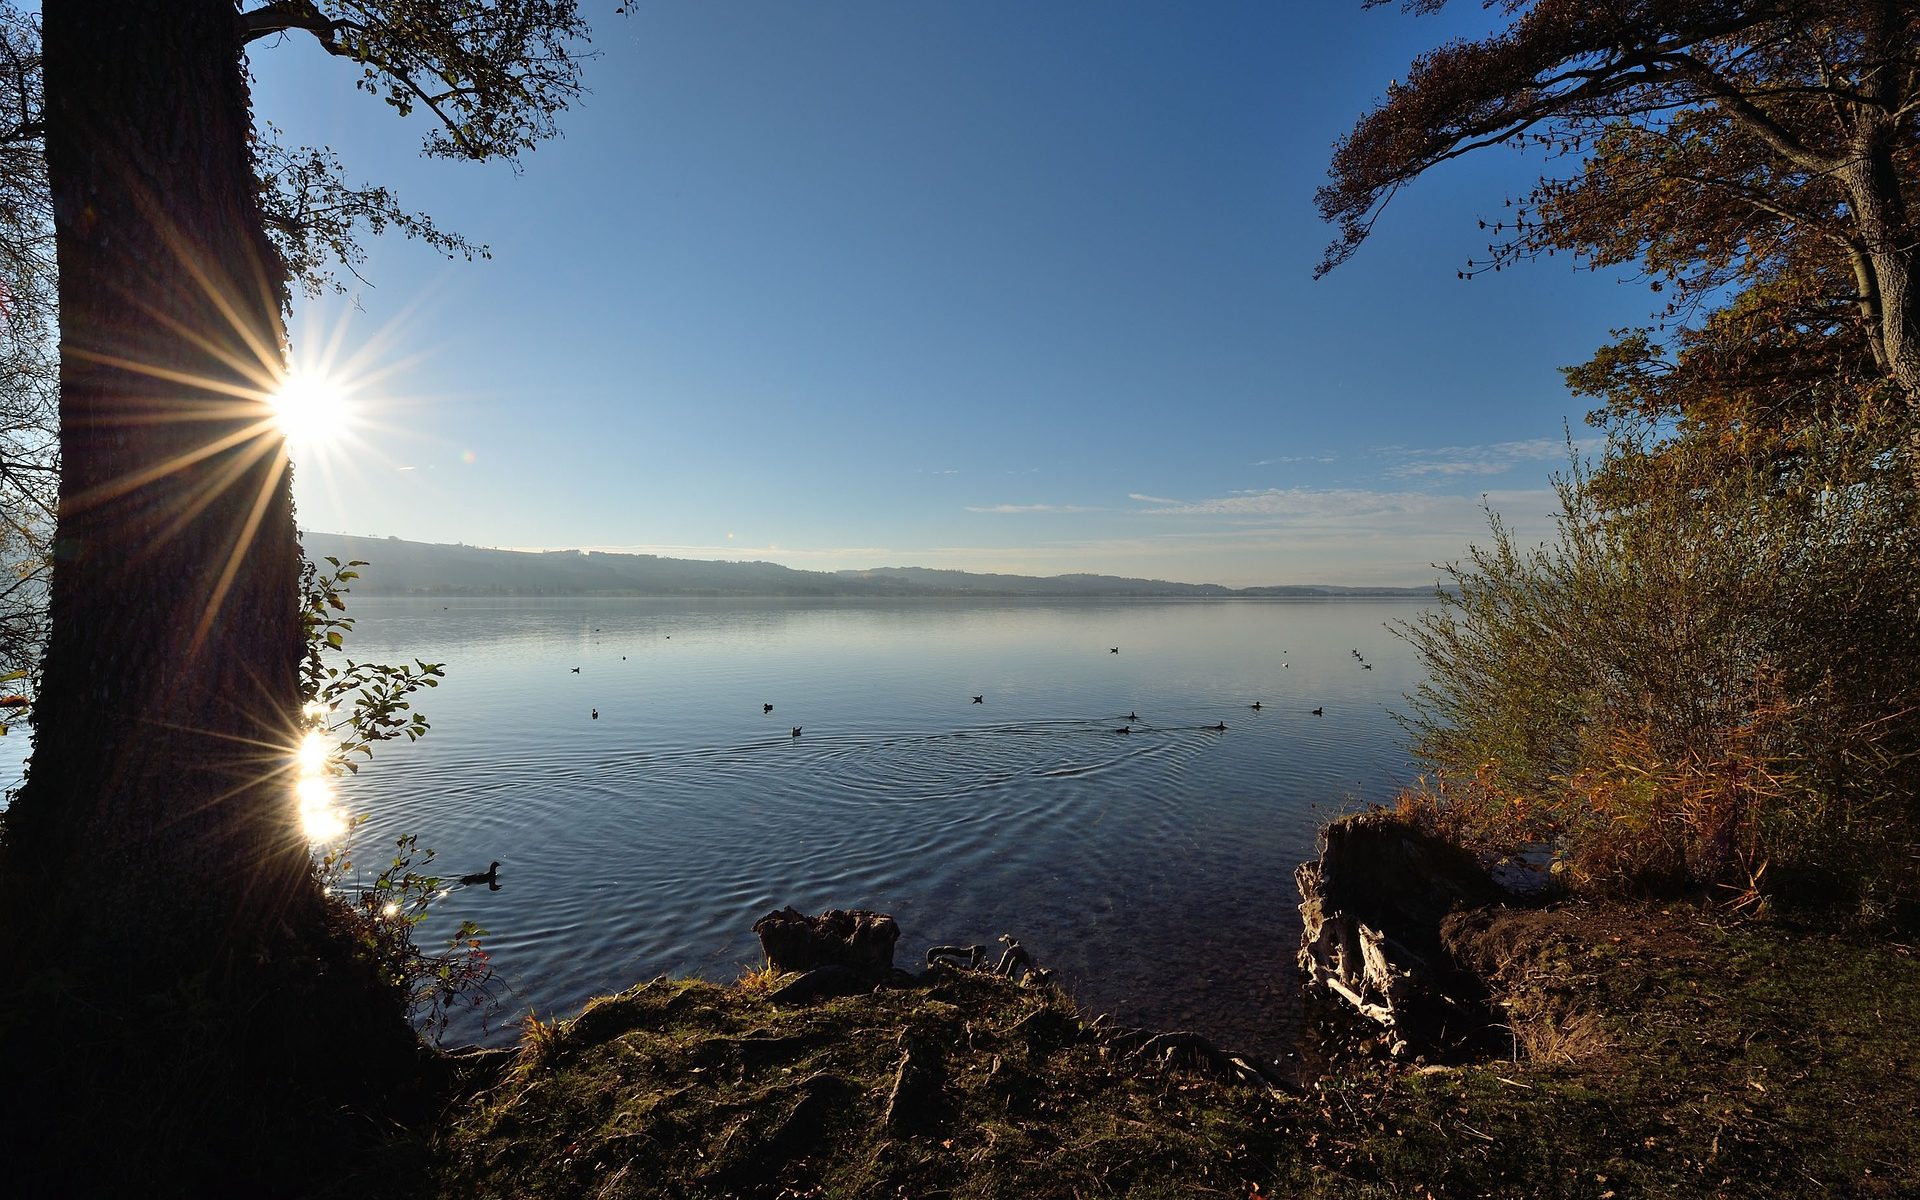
(1366,666)
(1114,650)
(1221,725)
(796,731)
(596,714)
(1124,729)
(1319,712)
(979,699)
(490,876)
(576,670)
(766,708)
(1255,706)
(1133,716)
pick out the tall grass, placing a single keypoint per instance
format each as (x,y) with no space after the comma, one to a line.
(1708,681)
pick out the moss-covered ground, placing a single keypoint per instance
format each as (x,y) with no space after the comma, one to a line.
(1653,1052)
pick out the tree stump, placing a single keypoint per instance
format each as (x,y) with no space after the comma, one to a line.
(856,939)
(1370,912)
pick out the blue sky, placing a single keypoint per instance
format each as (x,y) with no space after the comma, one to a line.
(995,286)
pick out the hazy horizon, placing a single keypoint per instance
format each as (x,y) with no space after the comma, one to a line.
(748,554)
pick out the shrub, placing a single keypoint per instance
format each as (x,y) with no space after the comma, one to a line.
(1708,680)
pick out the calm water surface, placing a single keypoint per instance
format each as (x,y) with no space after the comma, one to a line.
(1153,870)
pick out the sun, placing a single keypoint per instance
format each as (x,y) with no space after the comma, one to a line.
(314,411)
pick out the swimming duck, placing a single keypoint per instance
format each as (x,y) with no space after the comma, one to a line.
(1255,706)
(490,876)
(979,699)
(1133,716)
(766,708)
(1319,712)
(1221,725)
(596,714)
(796,731)
(576,670)
(1114,650)
(1124,729)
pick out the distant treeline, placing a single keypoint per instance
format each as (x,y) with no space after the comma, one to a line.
(402,568)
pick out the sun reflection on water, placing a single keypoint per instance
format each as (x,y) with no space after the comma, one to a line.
(320,816)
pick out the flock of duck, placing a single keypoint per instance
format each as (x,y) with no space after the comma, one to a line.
(1221,727)
(491,876)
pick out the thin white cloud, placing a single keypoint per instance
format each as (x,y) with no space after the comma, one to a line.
(1294,458)
(1029,508)
(1345,504)
(730,550)
(1495,458)
(1396,531)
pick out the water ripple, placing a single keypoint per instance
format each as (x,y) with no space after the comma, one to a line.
(1152,868)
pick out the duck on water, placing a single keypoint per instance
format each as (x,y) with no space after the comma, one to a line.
(490,877)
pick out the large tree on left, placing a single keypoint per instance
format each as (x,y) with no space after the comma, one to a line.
(157,826)
(171,683)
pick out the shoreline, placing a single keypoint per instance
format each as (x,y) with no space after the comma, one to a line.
(1651,1050)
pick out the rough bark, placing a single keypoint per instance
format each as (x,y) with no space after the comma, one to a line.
(158,815)
(856,939)
(1890,266)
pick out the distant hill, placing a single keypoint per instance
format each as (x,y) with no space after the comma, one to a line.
(402,568)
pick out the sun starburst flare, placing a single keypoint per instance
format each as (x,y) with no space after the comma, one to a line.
(316,412)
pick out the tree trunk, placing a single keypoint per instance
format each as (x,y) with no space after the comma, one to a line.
(1872,182)
(158,816)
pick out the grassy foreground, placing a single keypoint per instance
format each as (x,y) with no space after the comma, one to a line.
(1654,1052)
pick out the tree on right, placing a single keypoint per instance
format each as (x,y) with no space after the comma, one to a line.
(1750,159)
(1707,678)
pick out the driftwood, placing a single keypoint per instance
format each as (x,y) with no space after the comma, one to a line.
(1186,1050)
(916,1087)
(820,983)
(1014,962)
(951,956)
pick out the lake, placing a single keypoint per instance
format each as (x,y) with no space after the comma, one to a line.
(1151,869)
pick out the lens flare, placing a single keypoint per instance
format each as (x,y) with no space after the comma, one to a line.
(313,410)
